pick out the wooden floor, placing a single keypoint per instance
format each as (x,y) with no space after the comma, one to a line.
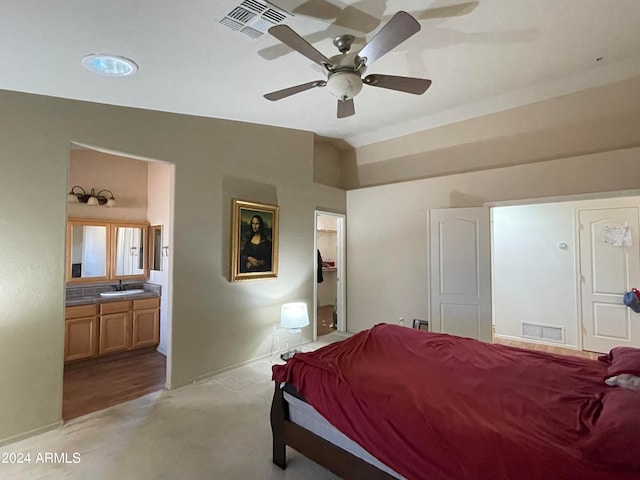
(547,348)
(325,320)
(95,385)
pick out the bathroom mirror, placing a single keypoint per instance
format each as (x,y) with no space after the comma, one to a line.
(87,251)
(128,251)
(155,247)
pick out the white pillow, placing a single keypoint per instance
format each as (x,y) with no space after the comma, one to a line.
(624,380)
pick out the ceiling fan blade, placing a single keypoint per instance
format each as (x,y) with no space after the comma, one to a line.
(280,94)
(287,36)
(417,86)
(346,108)
(393,33)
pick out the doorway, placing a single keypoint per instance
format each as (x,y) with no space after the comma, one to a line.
(329,301)
(144,192)
(555,278)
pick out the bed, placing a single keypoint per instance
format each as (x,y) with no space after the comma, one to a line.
(392,402)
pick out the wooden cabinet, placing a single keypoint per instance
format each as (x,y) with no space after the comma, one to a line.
(110,327)
(115,327)
(80,332)
(146,322)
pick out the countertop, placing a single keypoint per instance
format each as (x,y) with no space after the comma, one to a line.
(96,298)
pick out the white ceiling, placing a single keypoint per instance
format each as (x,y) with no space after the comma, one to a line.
(482,56)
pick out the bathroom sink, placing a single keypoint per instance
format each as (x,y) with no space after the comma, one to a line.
(122,293)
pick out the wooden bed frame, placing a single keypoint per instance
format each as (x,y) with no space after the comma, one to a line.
(330,456)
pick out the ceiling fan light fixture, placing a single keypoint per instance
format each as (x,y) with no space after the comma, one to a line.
(345,71)
(344,85)
(109,65)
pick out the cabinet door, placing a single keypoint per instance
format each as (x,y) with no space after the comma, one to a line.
(80,338)
(146,328)
(115,332)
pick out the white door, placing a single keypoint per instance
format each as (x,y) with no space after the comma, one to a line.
(460,272)
(606,272)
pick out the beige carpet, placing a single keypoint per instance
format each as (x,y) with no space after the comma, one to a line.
(217,429)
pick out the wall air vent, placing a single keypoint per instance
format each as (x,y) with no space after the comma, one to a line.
(539,331)
(254,17)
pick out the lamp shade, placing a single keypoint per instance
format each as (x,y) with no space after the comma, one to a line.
(294,315)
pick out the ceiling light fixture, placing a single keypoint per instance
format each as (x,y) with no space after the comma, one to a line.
(344,85)
(91,198)
(109,65)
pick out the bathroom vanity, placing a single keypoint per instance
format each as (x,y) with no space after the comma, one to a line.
(112,325)
(102,317)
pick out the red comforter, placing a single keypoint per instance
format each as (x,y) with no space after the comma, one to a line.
(438,407)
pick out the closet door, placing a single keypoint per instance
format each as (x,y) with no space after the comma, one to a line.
(607,271)
(460,272)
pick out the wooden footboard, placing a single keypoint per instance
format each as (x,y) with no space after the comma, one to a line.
(330,456)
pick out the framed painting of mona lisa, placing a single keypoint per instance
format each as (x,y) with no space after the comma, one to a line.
(254,240)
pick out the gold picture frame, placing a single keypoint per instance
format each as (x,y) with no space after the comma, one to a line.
(254,240)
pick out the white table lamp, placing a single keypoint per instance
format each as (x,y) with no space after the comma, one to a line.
(294,316)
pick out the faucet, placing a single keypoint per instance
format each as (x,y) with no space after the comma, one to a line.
(119,287)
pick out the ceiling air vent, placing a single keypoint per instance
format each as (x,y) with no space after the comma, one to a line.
(539,331)
(254,17)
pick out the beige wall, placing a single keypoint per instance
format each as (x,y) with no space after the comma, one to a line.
(600,119)
(217,324)
(334,163)
(387,227)
(126,178)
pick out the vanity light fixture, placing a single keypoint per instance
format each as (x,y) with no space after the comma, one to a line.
(109,65)
(79,195)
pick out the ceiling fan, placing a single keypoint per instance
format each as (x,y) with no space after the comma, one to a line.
(345,71)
